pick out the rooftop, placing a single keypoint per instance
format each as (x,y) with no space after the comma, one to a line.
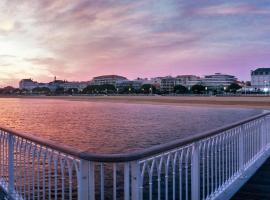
(261,71)
(110,76)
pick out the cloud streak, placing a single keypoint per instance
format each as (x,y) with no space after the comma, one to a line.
(85,38)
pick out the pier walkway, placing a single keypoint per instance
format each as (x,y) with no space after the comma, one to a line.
(258,186)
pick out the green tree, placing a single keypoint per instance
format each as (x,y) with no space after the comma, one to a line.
(233,88)
(148,88)
(7,90)
(59,90)
(72,91)
(198,89)
(180,89)
(128,90)
(107,88)
(90,89)
(41,90)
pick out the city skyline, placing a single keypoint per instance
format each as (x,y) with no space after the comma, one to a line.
(82,39)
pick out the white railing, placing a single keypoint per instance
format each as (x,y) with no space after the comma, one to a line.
(200,167)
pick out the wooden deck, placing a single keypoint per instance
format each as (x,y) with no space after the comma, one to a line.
(258,187)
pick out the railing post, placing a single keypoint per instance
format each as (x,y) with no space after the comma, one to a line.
(263,135)
(135,180)
(195,172)
(241,148)
(86,186)
(10,164)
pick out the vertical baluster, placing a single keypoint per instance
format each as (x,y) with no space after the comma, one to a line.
(102,181)
(150,172)
(216,162)
(70,170)
(30,149)
(174,168)
(180,174)
(33,171)
(208,170)
(126,181)
(11,164)
(115,181)
(219,161)
(136,180)
(212,165)
(43,173)
(203,168)
(38,171)
(62,166)
(167,176)
(186,172)
(195,171)
(55,162)
(24,169)
(223,158)
(49,174)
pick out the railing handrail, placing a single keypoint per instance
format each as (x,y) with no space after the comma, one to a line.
(128,157)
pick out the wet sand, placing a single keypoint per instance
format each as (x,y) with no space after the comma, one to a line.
(243,101)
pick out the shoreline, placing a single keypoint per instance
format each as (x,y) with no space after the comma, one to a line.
(211,101)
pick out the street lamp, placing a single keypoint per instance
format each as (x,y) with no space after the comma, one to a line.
(265,89)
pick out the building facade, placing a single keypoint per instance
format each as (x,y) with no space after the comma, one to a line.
(136,84)
(28,84)
(107,79)
(188,80)
(260,79)
(218,81)
(167,84)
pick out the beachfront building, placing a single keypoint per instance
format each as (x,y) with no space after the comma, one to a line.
(167,84)
(156,82)
(260,79)
(28,84)
(218,81)
(135,84)
(188,80)
(107,79)
(74,85)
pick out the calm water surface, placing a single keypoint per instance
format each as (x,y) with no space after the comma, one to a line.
(112,127)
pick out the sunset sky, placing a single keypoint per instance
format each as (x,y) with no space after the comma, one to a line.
(76,40)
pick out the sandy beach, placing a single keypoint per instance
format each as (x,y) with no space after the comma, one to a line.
(244,102)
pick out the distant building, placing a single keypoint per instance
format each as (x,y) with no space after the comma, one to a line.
(28,84)
(218,81)
(260,79)
(167,84)
(156,82)
(75,85)
(188,80)
(136,84)
(107,79)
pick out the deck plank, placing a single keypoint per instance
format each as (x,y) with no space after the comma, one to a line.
(258,187)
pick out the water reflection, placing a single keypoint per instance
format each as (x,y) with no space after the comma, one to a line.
(111,127)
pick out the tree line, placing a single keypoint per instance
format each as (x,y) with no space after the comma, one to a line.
(111,89)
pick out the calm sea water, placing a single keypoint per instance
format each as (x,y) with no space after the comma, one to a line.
(112,127)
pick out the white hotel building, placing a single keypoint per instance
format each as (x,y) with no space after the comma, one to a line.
(218,81)
(260,79)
